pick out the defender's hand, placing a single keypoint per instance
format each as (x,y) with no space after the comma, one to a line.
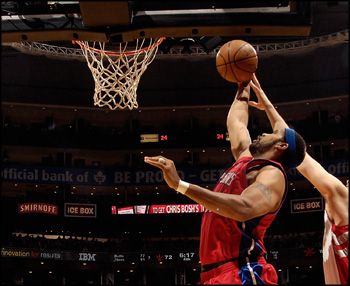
(263,101)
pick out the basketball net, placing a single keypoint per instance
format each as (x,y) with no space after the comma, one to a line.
(117,74)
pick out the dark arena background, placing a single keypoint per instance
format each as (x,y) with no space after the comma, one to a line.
(80,206)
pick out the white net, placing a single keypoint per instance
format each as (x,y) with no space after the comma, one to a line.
(117,74)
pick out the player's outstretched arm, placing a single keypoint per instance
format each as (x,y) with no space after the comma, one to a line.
(276,120)
(331,188)
(237,122)
(261,197)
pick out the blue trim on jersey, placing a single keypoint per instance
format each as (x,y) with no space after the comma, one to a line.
(246,276)
(252,224)
(247,236)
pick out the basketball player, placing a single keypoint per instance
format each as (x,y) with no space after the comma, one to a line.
(335,194)
(244,202)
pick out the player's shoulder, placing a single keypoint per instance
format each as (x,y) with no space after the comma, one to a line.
(271,170)
(265,164)
(271,167)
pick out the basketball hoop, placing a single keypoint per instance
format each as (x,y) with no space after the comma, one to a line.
(117,73)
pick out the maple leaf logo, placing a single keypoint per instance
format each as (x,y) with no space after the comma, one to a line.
(309,251)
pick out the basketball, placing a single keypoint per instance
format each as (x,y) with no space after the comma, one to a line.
(236,61)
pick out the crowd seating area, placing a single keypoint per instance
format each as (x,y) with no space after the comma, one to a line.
(137,242)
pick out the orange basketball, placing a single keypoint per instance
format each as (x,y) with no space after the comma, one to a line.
(236,61)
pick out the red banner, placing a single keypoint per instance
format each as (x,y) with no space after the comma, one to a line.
(38,208)
(159,209)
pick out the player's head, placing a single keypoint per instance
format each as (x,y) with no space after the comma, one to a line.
(285,146)
(296,149)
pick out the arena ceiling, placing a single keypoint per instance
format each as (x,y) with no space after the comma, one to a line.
(209,23)
(119,21)
(320,71)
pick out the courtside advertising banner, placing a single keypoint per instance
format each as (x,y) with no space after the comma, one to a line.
(35,208)
(80,210)
(115,177)
(306,205)
(30,253)
(159,209)
(87,256)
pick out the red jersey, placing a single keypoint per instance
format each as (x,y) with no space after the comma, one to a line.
(335,252)
(224,238)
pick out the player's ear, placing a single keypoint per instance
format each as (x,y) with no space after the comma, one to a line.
(281,145)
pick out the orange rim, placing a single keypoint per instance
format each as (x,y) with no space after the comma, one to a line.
(111,53)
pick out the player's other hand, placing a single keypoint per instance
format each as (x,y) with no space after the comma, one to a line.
(263,101)
(170,174)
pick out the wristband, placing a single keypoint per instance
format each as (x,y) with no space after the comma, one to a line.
(182,187)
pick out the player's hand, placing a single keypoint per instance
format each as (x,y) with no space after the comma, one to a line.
(170,174)
(263,101)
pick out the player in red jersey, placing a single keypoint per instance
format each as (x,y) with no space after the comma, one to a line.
(244,202)
(336,196)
